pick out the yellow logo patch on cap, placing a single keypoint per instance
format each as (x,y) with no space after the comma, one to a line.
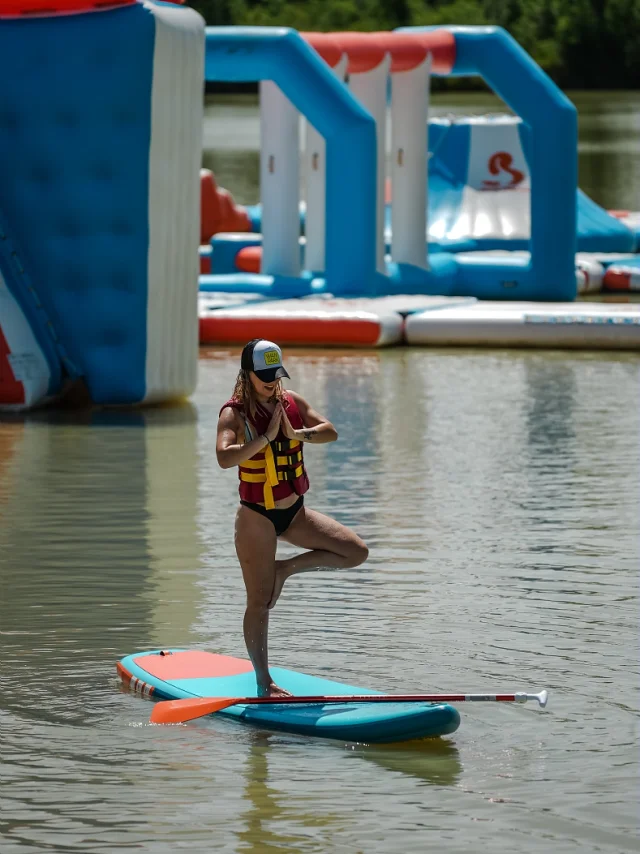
(272,357)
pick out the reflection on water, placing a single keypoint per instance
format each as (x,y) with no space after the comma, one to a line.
(268,825)
(434,761)
(87,499)
(350,385)
(498,492)
(608,155)
(608,151)
(552,390)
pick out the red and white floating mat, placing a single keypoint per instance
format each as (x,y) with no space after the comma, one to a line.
(317,321)
(622,277)
(589,274)
(312,323)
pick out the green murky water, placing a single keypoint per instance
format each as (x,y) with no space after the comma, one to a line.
(498,492)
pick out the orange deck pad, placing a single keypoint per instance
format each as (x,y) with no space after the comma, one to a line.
(192,664)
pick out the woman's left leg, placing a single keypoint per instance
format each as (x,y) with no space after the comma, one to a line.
(330,544)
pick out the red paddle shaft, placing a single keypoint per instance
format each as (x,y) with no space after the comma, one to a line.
(519,697)
(179,711)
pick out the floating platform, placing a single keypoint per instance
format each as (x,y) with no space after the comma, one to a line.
(418,320)
(623,275)
(579,325)
(314,321)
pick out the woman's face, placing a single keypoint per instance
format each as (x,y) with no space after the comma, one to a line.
(264,390)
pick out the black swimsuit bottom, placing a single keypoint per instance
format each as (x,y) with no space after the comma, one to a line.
(280,519)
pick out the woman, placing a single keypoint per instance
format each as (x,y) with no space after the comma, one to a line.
(262,430)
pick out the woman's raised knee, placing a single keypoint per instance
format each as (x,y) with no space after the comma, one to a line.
(358,553)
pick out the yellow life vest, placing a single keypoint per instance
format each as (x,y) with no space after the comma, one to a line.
(272,469)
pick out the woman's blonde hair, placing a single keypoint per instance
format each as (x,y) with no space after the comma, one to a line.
(245,393)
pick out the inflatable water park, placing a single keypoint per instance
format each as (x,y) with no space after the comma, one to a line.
(120,255)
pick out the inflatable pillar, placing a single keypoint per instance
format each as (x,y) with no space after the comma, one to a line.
(409,123)
(368,70)
(315,163)
(279,181)
(100,151)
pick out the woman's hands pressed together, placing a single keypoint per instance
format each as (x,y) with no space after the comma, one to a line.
(274,425)
(287,429)
(280,421)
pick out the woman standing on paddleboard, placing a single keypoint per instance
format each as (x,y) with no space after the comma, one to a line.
(262,430)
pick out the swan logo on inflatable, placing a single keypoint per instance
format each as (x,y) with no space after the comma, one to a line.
(500,162)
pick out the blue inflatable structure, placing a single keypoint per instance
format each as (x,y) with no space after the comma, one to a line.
(507,68)
(98,248)
(478,195)
(238,54)
(547,132)
(100,153)
(475,208)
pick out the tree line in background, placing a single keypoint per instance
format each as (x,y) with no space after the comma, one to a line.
(581,44)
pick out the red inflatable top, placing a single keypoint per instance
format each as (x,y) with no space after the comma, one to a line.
(51,8)
(366,51)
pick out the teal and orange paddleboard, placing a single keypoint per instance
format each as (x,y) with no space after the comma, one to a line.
(178,674)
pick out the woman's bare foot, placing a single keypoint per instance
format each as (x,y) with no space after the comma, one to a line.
(278,584)
(273,690)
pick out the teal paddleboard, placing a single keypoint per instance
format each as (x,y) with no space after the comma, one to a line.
(177,674)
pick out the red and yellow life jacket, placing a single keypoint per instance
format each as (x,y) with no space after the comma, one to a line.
(277,471)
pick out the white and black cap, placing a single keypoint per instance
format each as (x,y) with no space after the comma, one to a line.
(264,358)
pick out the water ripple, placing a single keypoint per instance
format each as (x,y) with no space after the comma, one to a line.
(498,493)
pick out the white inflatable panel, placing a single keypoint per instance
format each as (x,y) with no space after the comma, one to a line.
(279,181)
(315,170)
(580,325)
(174,203)
(409,128)
(370,88)
(493,204)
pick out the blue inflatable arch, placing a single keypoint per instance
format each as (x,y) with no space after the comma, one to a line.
(263,53)
(514,76)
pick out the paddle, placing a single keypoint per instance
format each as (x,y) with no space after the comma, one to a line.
(179,711)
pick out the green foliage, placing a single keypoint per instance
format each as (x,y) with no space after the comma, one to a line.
(592,44)
(464,12)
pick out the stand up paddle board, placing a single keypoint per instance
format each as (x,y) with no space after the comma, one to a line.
(177,674)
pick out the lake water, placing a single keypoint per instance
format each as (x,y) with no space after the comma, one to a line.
(498,492)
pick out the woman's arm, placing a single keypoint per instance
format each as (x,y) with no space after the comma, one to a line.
(317,428)
(229,452)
